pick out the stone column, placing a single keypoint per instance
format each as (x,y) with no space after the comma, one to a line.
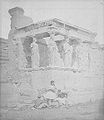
(73,56)
(68,54)
(74,42)
(52,48)
(35,54)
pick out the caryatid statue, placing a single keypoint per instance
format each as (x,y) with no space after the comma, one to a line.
(67,53)
(74,43)
(55,59)
(35,54)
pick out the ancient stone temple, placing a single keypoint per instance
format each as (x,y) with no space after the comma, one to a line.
(54,50)
(51,43)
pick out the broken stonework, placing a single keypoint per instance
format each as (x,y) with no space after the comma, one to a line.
(18,19)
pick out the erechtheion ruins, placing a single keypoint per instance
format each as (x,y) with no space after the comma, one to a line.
(36,53)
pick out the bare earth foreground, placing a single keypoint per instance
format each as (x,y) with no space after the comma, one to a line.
(88,111)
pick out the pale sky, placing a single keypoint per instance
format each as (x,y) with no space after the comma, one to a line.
(88,14)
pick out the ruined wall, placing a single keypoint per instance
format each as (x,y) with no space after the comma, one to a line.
(7,91)
(4,59)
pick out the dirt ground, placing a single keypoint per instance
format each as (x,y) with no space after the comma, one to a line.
(88,111)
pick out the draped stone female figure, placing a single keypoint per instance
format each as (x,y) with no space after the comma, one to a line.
(68,54)
(35,54)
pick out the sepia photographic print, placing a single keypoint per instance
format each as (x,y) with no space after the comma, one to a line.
(51,59)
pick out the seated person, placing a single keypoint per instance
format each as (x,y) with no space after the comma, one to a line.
(52,87)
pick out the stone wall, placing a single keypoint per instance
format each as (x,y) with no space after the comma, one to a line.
(4,59)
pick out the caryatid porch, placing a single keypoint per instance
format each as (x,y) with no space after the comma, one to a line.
(48,50)
(56,44)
